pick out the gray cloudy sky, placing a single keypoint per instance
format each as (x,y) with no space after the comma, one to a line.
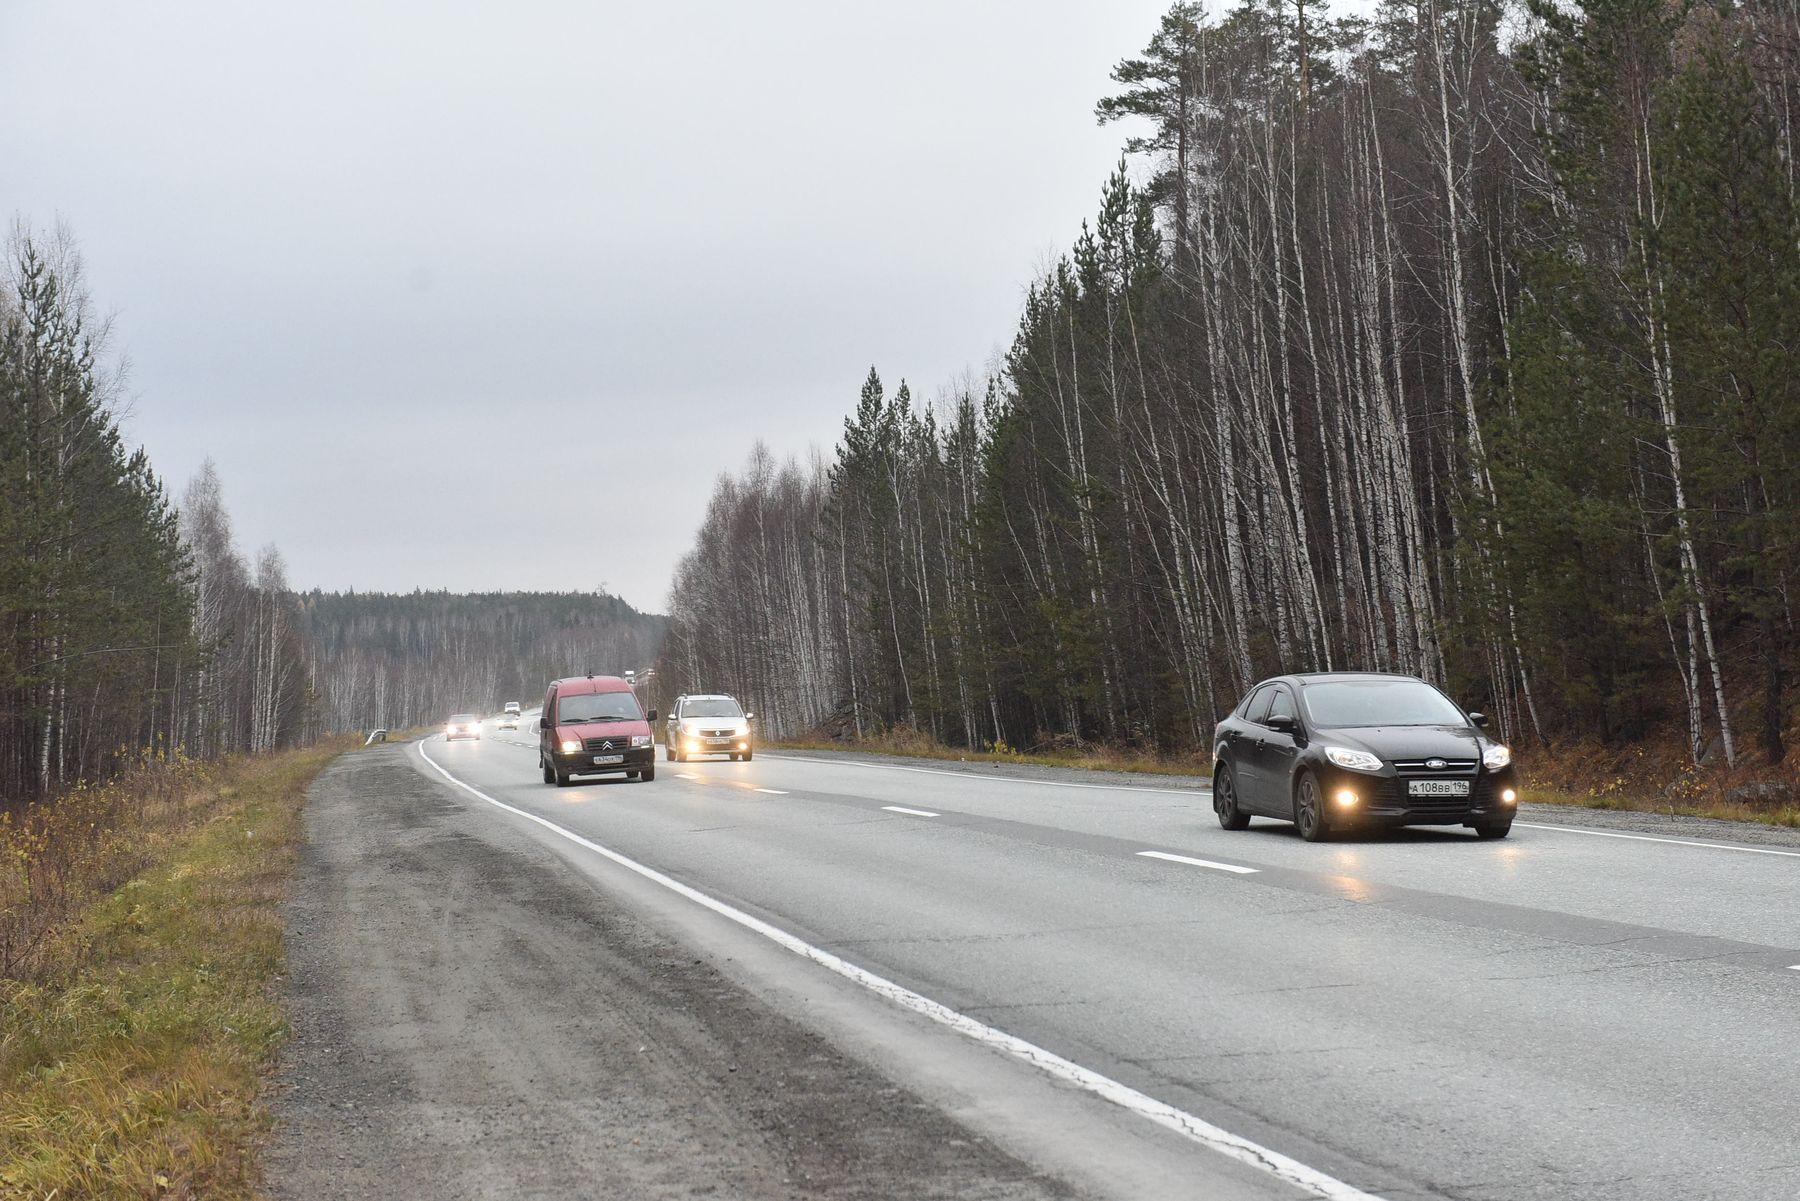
(485,295)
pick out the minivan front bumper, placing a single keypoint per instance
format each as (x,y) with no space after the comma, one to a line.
(581,763)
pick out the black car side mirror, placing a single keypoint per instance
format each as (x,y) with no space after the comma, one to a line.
(1480,720)
(652,716)
(543,723)
(1282,722)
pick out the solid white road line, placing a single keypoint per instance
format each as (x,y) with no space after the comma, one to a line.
(1679,842)
(1223,867)
(1232,1146)
(969,775)
(914,812)
(770,791)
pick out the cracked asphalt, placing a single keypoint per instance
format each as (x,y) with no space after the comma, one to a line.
(1565,1014)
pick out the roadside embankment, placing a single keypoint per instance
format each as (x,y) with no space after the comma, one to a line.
(140,942)
(1649,777)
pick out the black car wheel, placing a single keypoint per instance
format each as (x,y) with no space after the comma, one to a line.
(1225,799)
(1498,830)
(1309,810)
(674,755)
(747,756)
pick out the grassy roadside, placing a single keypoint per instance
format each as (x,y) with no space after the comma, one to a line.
(1587,777)
(914,745)
(134,1038)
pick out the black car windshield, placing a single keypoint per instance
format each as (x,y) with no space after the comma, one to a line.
(462,719)
(722,706)
(1349,703)
(598,706)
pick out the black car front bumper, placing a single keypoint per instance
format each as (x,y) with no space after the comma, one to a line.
(1384,799)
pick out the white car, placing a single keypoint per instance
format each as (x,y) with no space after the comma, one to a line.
(708,725)
(509,716)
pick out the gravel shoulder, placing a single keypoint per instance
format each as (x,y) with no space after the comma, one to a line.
(471,1018)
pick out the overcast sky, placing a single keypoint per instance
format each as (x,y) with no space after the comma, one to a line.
(486,295)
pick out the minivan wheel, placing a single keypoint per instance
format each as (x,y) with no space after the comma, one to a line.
(562,779)
(649,772)
(1309,810)
(549,776)
(1225,802)
(1497,830)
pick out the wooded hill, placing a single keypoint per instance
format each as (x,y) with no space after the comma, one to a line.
(407,659)
(1459,340)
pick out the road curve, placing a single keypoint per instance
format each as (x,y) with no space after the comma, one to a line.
(1417,1015)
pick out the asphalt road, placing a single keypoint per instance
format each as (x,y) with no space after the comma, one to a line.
(1594,1008)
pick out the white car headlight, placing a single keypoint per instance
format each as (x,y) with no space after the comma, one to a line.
(1355,760)
(640,740)
(570,745)
(1496,756)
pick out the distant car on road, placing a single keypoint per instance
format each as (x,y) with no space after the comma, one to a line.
(592,725)
(713,724)
(462,725)
(509,716)
(1340,750)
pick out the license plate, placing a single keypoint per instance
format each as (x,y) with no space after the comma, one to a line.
(609,758)
(1437,788)
(717,741)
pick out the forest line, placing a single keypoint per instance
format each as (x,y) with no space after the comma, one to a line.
(1458,341)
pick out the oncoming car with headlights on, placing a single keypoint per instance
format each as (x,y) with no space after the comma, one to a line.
(709,725)
(1345,750)
(462,725)
(592,725)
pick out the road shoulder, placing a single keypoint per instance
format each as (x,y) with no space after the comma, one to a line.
(472,1018)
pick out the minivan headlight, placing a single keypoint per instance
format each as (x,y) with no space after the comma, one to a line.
(1496,756)
(640,740)
(570,745)
(1355,760)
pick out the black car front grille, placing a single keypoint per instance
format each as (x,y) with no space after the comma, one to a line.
(1419,767)
(1393,795)
(612,744)
(717,733)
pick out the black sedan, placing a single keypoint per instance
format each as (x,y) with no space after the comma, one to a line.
(1343,750)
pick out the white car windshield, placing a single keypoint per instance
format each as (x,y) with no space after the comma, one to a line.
(722,706)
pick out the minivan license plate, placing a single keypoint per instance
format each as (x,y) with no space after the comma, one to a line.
(1437,788)
(609,758)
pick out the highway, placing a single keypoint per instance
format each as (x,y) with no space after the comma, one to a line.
(1088,973)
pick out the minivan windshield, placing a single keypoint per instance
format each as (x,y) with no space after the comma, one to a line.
(1349,703)
(598,706)
(718,706)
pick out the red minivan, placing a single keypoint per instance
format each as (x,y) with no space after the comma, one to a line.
(592,725)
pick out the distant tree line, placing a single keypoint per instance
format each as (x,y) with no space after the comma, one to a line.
(405,659)
(125,624)
(1458,340)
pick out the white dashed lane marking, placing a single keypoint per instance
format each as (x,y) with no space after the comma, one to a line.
(1236,868)
(913,812)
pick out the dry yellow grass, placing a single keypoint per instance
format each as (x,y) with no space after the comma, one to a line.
(135,1031)
(920,745)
